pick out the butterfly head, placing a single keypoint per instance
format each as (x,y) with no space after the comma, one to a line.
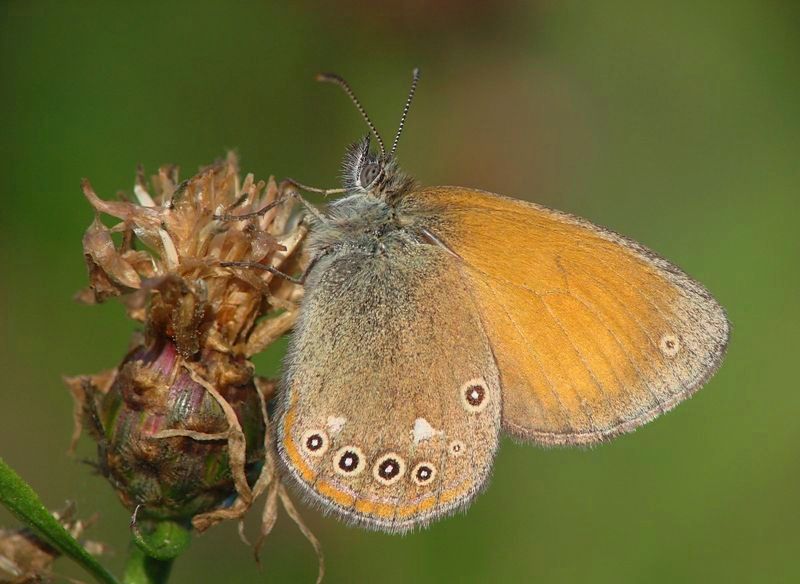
(366,172)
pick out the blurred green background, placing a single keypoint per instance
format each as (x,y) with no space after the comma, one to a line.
(676,123)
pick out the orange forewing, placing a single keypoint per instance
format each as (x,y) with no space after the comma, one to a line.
(593,334)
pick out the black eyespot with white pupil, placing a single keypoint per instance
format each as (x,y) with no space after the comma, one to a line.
(388,469)
(424,473)
(368,174)
(314,442)
(348,461)
(475,395)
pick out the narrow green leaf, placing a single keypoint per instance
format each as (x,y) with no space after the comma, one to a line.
(24,503)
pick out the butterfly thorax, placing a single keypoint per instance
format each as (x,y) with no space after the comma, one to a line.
(364,223)
(366,218)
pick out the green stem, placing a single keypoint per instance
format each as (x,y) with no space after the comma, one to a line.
(154,547)
(143,569)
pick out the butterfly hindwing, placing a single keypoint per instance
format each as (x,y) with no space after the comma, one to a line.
(391,403)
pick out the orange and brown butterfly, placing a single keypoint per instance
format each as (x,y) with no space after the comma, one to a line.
(435,319)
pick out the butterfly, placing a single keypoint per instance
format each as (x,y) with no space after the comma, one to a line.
(436,319)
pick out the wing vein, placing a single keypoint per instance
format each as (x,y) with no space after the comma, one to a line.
(616,338)
(578,352)
(533,353)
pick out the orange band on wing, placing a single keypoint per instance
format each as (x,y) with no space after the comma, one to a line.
(336,495)
(444,498)
(424,505)
(367,507)
(374,508)
(306,472)
(291,450)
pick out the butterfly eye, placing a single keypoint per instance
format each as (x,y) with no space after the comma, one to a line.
(315,442)
(423,473)
(389,469)
(368,174)
(349,461)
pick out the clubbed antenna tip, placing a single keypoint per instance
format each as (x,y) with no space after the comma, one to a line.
(337,80)
(414,81)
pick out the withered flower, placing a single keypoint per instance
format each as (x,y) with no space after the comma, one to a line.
(181,423)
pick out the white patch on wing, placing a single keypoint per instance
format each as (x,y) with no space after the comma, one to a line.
(335,424)
(423,430)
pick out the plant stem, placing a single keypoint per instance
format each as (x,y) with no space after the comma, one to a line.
(143,569)
(154,546)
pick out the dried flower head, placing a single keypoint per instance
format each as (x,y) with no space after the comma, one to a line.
(181,422)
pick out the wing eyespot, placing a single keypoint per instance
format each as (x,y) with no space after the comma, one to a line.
(456,448)
(424,473)
(669,344)
(315,442)
(474,395)
(389,469)
(349,461)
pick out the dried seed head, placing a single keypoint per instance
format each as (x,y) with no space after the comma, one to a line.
(180,424)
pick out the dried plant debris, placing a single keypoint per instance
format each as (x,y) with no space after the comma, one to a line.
(181,424)
(25,557)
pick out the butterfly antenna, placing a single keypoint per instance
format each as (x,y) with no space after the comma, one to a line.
(333,78)
(414,80)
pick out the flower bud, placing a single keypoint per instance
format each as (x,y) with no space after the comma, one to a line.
(181,422)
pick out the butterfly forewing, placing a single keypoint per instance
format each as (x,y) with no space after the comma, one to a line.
(593,334)
(391,409)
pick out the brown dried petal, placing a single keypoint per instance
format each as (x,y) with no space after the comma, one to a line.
(148,218)
(104,261)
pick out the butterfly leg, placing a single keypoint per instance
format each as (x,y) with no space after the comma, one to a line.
(293,188)
(264,267)
(254,214)
(255,265)
(323,192)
